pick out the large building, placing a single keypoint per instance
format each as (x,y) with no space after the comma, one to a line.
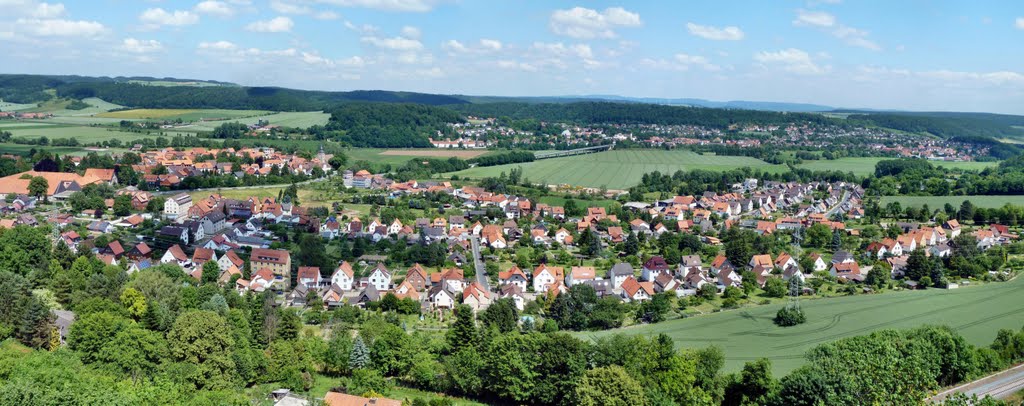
(59,184)
(277,261)
(177,206)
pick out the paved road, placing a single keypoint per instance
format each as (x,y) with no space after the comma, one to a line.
(846,197)
(1000,385)
(481,270)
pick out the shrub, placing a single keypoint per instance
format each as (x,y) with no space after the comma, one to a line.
(789,317)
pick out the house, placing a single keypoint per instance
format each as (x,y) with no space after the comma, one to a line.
(563,236)
(653,267)
(940,250)
(71,239)
(344,276)
(369,294)
(763,260)
(406,290)
(665,282)
(175,255)
(619,273)
(453,279)
(819,263)
(177,206)
(343,399)
(380,277)
(230,259)
(544,276)
(104,175)
(580,274)
(441,298)
(308,276)
(514,276)
(417,277)
(202,255)
(635,291)
(784,261)
(694,278)
(729,277)
(261,280)
(100,227)
(952,228)
(476,296)
(174,234)
(721,262)
(842,257)
(514,292)
(846,270)
(690,261)
(278,261)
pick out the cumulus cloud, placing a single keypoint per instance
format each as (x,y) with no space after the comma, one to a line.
(394,44)
(276,24)
(829,23)
(284,7)
(585,23)
(791,60)
(1020,23)
(140,46)
(217,46)
(157,17)
(326,15)
(491,44)
(418,6)
(411,32)
(213,7)
(560,49)
(730,33)
(60,28)
(47,10)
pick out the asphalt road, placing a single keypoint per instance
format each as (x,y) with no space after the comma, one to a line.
(1000,385)
(481,270)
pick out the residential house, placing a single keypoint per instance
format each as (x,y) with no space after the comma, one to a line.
(380,277)
(514,276)
(344,276)
(278,261)
(653,267)
(177,206)
(619,273)
(544,276)
(635,291)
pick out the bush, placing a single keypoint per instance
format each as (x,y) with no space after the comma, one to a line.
(789,317)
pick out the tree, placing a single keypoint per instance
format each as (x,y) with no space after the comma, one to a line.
(754,386)
(708,291)
(359,358)
(122,205)
(36,324)
(654,310)
(38,186)
(818,235)
(339,349)
(211,271)
(775,287)
(878,277)
(632,245)
(502,315)
(463,370)
(203,339)
(135,302)
(610,386)
(134,351)
(463,331)
(92,331)
(918,265)
(788,316)
(966,211)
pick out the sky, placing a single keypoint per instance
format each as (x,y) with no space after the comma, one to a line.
(883,54)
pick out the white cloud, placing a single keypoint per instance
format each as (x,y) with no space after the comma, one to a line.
(394,44)
(491,44)
(680,62)
(825,21)
(47,10)
(696,60)
(791,60)
(326,15)
(141,46)
(454,46)
(156,17)
(1020,23)
(814,19)
(60,28)
(411,32)
(585,23)
(560,49)
(730,33)
(418,6)
(289,8)
(217,46)
(214,7)
(515,65)
(276,24)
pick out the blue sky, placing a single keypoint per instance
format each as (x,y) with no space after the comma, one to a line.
(908,54)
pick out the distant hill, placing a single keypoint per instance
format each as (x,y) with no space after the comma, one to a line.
(736,104)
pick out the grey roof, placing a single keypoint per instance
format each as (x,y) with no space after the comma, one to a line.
(621,269)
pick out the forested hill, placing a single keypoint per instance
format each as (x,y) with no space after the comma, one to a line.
(633,113)
(33,89)
(947,125)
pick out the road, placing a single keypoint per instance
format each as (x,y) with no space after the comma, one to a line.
(481,270)
(846,197)
(1000,385)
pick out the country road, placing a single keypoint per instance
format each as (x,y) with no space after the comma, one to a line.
(999,385)
(481,270)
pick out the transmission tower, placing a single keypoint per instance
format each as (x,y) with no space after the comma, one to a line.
(793,302)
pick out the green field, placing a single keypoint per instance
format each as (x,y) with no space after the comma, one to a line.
(84,134)
(977,312)
(301,119)
(5,106)
(866,166)
(20,149)
(618,169)
(183,114)
(935,202)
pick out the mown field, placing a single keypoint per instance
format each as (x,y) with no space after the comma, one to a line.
(617,169)
(866,166)
(301,119)
(935,202)
(84,134)
(183,114)
(977,312)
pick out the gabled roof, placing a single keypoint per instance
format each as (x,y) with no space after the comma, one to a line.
(656,263)
(177,253)
(346,268)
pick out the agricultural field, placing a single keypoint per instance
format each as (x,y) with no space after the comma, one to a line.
(183,114)
(619,169)
(866,166)
(746,334)
(84,134)
(21,149)
(936,202)
(436,153)
(397,157)
(5,106)
(301,119)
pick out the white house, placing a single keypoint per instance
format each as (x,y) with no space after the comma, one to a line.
(177,206)
(344,276)
(545,276)
(380,278)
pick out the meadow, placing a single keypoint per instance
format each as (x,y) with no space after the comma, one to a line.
(618,169)
(866,166)
(746,334)
(84,134)
(397,157)
(301,119)
(183,114)
(936,202)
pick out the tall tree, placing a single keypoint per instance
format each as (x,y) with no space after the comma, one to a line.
(203,339)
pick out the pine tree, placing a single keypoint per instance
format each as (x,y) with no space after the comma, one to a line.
(35,324)
(463,331)
(360,355)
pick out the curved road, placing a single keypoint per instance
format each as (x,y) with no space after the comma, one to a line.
(1000,385)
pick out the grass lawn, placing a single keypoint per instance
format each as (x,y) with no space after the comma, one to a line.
(617,169)
(84,134)
(560,201)
(866,166)
(936,202)
(977,312)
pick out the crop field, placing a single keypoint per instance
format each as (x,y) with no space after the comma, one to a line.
(397,157)
(935,202)
(618,169)
(183,114)
(977,312)
(436,153)
(84,134)
(301,119)
(866,166)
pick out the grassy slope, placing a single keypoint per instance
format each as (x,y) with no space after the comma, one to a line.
(866,166)
(935,202)
(304,119)
(977,312)
(618,169)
